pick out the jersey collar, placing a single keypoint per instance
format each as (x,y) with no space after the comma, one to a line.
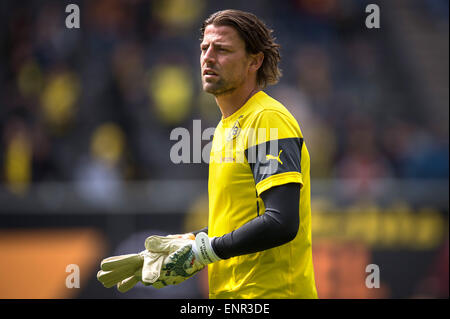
(233,117)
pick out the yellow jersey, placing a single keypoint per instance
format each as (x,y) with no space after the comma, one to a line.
(258,147)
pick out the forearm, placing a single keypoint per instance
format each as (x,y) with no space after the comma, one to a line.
(277,226)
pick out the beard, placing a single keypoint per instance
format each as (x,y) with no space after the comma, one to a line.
(221,86)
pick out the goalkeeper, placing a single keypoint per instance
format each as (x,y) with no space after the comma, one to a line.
(258,240)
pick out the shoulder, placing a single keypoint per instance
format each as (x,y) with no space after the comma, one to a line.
(271,114)
(266,107)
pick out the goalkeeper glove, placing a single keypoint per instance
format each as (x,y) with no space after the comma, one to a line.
(126,271)
(117,270)
(182,263)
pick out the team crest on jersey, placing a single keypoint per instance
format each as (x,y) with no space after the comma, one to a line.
(235,130)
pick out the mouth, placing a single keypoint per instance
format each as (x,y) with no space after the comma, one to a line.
(209,73)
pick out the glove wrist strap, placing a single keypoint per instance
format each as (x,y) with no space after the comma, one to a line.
(204,250)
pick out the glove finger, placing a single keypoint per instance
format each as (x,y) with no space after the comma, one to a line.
(127,284)
(105,283)
(114,262)
(151,268)
(158,244)
(110,278)
(138,275)
(161,244)
(109,283)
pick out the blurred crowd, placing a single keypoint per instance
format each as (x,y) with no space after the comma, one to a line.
(97,104)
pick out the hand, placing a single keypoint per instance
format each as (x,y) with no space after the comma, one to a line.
(163,246)
(185,258)
(126,271)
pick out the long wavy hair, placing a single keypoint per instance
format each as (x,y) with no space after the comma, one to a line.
(257,37)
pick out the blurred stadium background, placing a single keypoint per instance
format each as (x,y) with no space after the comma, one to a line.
(86,116)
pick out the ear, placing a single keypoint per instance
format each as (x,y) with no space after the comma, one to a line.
(256,61)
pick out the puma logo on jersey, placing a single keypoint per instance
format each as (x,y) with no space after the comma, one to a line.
(269,157)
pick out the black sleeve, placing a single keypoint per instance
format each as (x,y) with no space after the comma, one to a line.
(277,226)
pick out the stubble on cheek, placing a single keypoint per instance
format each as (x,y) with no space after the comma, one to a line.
(223,86)
(216,87)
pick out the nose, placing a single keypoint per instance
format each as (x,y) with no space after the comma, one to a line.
(208,56)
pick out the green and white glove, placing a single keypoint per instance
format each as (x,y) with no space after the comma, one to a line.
(184,260)
(126,271)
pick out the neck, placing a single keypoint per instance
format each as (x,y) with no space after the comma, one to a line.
(231,102)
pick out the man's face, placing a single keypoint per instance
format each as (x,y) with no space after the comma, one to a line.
(224,61)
